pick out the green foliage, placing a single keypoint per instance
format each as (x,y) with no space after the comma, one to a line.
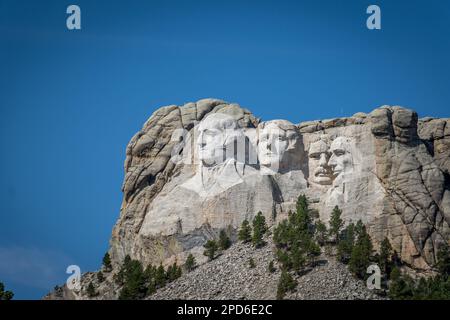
(361,253)
(285,284)
(5,295)
(107,267)
(190,262)
(100,277)
(251,263)
(150,279)
(210,249)
(271,267)
(151,288)
(302,218)
(313,251)
(91,292)
(173,272)
(403,287)
(321,233)
(282,233)
(134,282)
(294,238)
(224,240)
(160,277)
(297,259)
(245,233)
(138,283)
(359,227)
(284,259)
(259,229)
(336,223)
(346,243)
(385,257)
(443,261)
(434,288)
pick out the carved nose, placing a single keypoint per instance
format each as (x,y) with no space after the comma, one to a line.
(332,161)
(323,160)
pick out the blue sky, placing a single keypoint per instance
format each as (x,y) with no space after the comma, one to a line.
(71,100)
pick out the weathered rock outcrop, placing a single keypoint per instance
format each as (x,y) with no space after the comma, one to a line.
(202,167)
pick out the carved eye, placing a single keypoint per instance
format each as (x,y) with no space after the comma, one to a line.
(315,156)
(339,152)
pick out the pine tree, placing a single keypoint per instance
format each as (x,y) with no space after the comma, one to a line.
(5,295)
(100,277)
(443,261)
(151,288)
(150,273)
(190,262)
(210,249)
(245,233)
(359,227)
(302,219)
(150,279)
(224,240)
(107,263)
(384,259)
(282,233)
(321,233)
(295,240)
(297,259)
(336,223)
(259,229)
(285,284)
(160,277)
(91,292)
(346,243)
(173,272)
(313,252)
(120,276)
(284,259)
(401,287)
(134,286)
(361,254)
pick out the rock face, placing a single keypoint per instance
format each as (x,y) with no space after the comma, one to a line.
(202,167)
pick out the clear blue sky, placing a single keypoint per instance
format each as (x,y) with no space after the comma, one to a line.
(71,100)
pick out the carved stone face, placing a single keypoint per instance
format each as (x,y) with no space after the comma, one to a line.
(320,172)
(216,135)
(341,160)
(277,139)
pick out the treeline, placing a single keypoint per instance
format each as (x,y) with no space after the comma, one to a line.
(299,240)
(354,247)
(137,282)
(5,295)
(403,287)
